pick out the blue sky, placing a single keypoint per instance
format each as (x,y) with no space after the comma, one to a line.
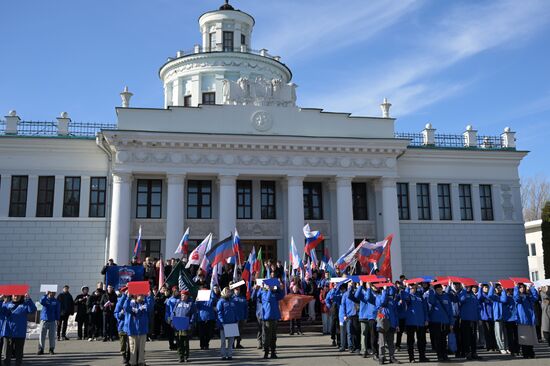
(484,63)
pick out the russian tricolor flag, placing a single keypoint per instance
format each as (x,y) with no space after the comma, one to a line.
(221,251)
(137,247)
(183,247)
(295,260)
(313,239)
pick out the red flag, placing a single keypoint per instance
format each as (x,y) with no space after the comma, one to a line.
(385,269)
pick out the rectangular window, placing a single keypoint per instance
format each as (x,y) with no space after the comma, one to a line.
(98,193)
(444,200)
(533,249)
(465,195)
(403,201)
(44,201)
(18,195)
(534,276)
(313,201)
(486,201)
(71,197)
(268,200)
(212,41)
(243,40)
(150,248)
(423,200)
(149,199)
(244,199)
(359,197)
(209,98)
(227,41)
(199,199)
(187,101)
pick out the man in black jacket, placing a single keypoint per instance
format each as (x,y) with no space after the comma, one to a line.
(67,309)
(107,305)
(82,312)
(94,314)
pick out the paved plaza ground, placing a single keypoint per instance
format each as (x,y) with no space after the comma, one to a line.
(309,349)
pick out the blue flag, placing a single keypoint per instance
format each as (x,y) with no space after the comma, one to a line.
(119,276)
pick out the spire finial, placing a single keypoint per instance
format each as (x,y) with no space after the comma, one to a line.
(226,6)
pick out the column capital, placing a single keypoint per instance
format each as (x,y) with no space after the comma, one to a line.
(295,180)
(388,182)
(122,177)
(227,179)
(343,180)
(175,178)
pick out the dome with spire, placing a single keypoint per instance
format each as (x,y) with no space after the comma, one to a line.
(226,6)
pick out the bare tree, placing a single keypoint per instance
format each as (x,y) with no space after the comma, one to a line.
(535,192)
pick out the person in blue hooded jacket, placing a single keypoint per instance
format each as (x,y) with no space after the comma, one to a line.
(416,321)
(207,317)
(169,308)
(184,308)
(227,314)
(494,294)
(348,311)
(256,298)
(509,317)
(440,318)
(387,323)
(469,316)
(14,329)
(270,297)
(137,311)
(49,316)
(122,331)
(486,315)
(525,300)
(366,295)
(333,302)
(242,312)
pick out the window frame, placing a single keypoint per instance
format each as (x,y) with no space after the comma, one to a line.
(209,98)
(268,190)
(45,196)
(313,212)
(444,201)
(243,39)
(228,41)
(244,191)
(359,199)
(149,206)
(403,201)
(146,248)
(98,206)
(465,198)
(201,193)
(71,209)
(533,249)
(423,201)
(486,202)
(19,208)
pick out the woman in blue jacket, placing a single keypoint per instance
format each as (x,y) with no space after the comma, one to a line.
(207,317)
(487,317)
(242,312)
(440,318)
(136,322)
(510,317)
(184,308)
(469,316)
(15,326)
(365,294)
(227,314)
(416,321)
(386,304)
(525,300)
(270,297)
(122,332)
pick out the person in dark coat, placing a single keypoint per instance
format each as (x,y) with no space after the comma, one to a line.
(107,306)
(82,313)
(67,309)
(158,313)
(94,315)
(105,268)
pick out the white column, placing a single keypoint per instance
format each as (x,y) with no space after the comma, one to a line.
(174,213)
(497,202)
(32,195)
(177,92)
(390,218)
(413,202)
(5,188)
(295,214)
(455,202)
(476,204)
(228,205)
(84,196)
(59,189)
(434,201)
(119,246)
(344,213)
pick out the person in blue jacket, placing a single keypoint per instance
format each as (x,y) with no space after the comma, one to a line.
(344,340)
(494,294)
(351,319)
(366,295)
(185,308)
(486,315)
(137,311)
(14,329)
(207,317)
(271,314)
(122,331)
(256,298)
(387,323)
(440,318)
(333,302)
(49,316)
(242,312)
(469,316)
(525,300)
(227,314)
(2,325)
(416,321)
(169,307)
(510,316)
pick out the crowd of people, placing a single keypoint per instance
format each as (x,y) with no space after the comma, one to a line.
(368,318)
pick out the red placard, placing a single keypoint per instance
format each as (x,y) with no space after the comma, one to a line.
(520,280)
(383,284)
(416,280)
(139,288)
(372,278)
(506,283)
(447,278)
(468,282)
(14,289)
(444,282)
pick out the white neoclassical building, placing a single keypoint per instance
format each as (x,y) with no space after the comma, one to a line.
(231,149)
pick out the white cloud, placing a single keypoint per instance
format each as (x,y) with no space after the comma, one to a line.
(461,33)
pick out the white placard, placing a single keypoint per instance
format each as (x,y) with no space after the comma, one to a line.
(260,281)
(231,330)
(235,285)
(203,295)
(337,279)
(48,288)
(542,283)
